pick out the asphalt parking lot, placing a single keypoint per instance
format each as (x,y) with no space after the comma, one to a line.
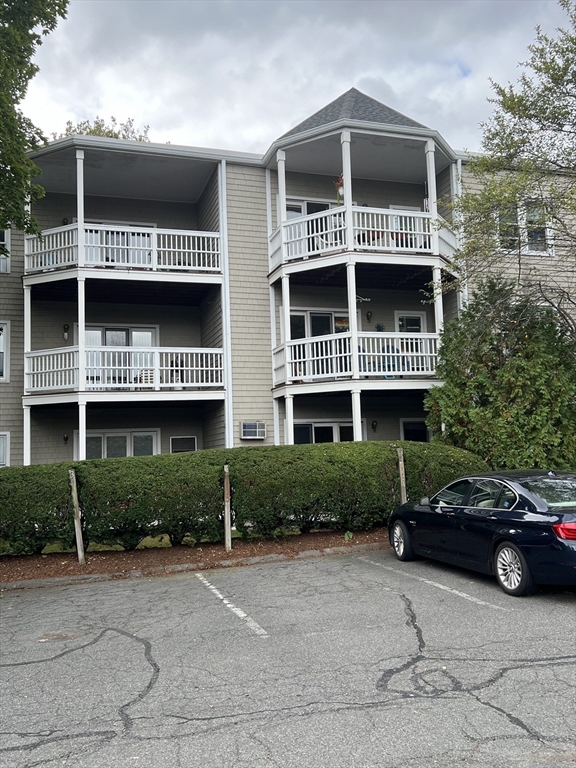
(353,661)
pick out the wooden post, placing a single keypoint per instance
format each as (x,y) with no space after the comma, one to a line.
(402,471)
(227,516)
(77,525)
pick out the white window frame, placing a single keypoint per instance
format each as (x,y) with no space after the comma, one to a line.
(5,259)
(5,377)
(184,437)
(155,432)
(522,224)
(398,313)
(122,326)
(307,312)
(6,437)
(334,423)
(260,429)
(414,421)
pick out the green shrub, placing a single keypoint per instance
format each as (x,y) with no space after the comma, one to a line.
(35,507)
(346,486)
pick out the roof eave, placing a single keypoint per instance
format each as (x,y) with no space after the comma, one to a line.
(146,148)
(401,130)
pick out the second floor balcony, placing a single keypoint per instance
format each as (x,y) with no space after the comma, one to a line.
(378,356)
(373,230)
(123,247)
(134,369)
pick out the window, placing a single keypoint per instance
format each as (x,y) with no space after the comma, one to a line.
(4,257)
(410,322)
(414,430)
(492,494)
(252,430)
(183,444)
(524,227)
(454,494)
(4,351)
(307,323)
(116,444)
(4,449)
(323,432)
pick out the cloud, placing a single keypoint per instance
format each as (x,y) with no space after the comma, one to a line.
(236,74)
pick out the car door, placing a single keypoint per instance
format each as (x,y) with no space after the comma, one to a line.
(434,522)
(476,523)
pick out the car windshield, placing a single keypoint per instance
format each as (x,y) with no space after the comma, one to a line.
(555,491)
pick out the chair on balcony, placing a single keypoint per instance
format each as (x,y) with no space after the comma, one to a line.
(146,378)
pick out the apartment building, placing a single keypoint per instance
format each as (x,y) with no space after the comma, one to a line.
(183,298)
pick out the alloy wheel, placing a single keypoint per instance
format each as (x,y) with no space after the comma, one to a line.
(509,568)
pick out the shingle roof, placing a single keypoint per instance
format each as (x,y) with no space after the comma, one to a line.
(357,107)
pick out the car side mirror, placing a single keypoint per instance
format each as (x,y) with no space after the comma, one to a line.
(424,501)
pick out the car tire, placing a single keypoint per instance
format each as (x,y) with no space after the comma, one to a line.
(401,541)
(512,571)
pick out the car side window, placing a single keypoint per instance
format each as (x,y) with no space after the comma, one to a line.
(485,494)
(507,498)
(452,495)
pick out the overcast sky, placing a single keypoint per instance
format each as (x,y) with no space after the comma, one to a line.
(236,74)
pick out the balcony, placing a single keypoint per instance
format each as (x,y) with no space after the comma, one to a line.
(123,368)
(124,247)
(379,356)
(374,230)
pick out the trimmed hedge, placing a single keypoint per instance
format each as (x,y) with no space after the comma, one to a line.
(345,486)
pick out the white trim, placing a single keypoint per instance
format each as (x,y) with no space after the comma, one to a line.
(334,423)
(259,429)
(6,437)
(398,313)
(5,260)
(225,300)
(5,376)
(155,432)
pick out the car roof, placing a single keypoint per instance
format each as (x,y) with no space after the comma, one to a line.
(524,475)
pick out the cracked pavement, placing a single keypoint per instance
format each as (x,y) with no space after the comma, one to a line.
(364,663)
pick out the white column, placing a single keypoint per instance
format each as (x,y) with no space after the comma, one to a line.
(27,333)
(276,411)
(281,164)
(80,204)
(27,437)
(226,316)
(81,431)
(352,317)
(432,193)
(438,299)
(345,140)
(286,307)
(356,416)
(81,282)
(289,436)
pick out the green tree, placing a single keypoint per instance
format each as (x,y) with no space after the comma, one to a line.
(509,372)
(99,127)
(22,24)
(517,216)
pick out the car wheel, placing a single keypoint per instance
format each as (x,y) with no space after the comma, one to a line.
(401,542)
(512,572)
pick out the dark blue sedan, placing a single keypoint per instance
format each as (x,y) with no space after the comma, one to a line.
(519,526)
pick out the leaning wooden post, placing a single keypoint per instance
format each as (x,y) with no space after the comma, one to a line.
(227,511)
(77,524)
(402,471)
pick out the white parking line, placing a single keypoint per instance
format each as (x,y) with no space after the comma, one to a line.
(437,585)
(256,628)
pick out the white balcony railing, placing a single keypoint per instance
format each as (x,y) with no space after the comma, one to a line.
(124,368)
(379,356)
(124,247)
(376,230)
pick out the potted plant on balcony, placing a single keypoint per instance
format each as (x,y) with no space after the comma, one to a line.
(339,187)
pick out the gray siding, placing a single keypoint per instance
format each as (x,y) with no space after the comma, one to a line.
(249,297)
(52,209)
(208,206)
(211,312)
(12,310)
(178,326)
(444,192)
(214,428)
